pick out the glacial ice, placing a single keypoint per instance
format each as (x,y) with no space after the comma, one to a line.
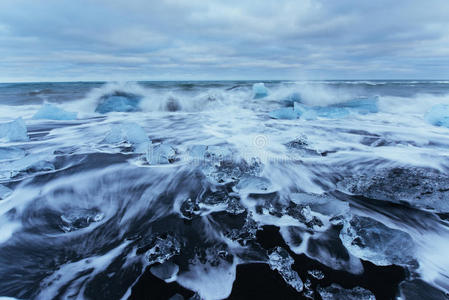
(166,271)
(29,163)
(286,113)
(371,240)
(160,154)
(259,90)
(79,218)
(336,292)
(340,110)
(291,99)
(14,131)
(131,133)
(438,115)
(4,192)
(119,102)
(162,248)
(52,112)
(280,260)
(9,153)
(421,187)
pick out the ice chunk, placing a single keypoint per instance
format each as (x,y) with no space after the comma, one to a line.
(14,131)
(362,106)
(79,218)
(371,240)
(286,113)
(317,274)
(166,271)
(51,112)
(197,152)
(336,292)
(119,102)
(259,90)
(4,192)
(131,133)
(162,248)
(160,154)
(255,184)
(438,115)
(31,163)
(189,209)
(291,99)
(280,260)
(218,153)
(9,153)
(421,187)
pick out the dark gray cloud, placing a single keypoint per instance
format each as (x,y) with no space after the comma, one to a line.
(196,39)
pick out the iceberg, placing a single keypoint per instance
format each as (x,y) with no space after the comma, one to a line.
(4,192)
(285,113)
(370,240)
(130,133)
(259,90)
(119,102)
(160,154)
(51,112)
(438,115)
(14,131)
(362,106)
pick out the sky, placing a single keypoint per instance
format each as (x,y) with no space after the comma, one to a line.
(83,40)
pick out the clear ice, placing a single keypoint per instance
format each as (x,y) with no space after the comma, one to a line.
(259,90)
(15,131)
(52,112)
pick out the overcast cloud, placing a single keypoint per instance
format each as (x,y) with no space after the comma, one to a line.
(199,40)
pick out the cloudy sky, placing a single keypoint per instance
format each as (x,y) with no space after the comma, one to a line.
(65,40)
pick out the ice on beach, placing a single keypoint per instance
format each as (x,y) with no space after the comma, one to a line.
(162,248)
(15,131)
(373,241)
(29,164)
(291,99)
(4,192)
(280,260)
(335,291)
(160,154)
(119,102)
(52,112)
(166,271)
(130,133)
(285,113)
(79,218)
(438,115)
(10,153)
(340,110)
(259,90)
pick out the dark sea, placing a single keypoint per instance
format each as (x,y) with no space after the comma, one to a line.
(224,190)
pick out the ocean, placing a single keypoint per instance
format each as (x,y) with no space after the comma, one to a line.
(224,190)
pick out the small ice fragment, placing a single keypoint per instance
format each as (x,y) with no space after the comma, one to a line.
(280,260)
(317,274)
(52,112)
(438,115)
(259,90)
(166,271)
(291,99)
(286,113)
(14,131)
(336,292)
(80,218)
(160,154)
(218,153)
(4,192)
